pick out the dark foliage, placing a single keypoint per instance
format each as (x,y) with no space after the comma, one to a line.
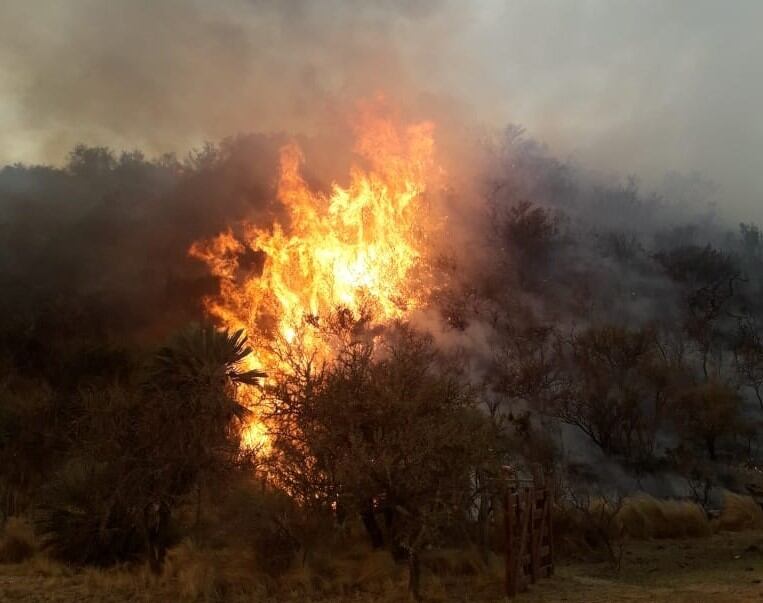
(593,321)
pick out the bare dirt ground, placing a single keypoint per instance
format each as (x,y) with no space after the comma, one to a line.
(726,567)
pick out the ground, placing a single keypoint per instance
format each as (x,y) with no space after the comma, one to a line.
(725,567)
(722,568)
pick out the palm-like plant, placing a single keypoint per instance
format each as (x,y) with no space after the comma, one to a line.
(152,446)
(204,358)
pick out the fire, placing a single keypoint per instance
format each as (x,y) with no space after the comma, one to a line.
(360,247)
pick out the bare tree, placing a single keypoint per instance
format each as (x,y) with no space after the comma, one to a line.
(748,357)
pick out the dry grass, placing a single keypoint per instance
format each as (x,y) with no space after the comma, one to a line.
(722,568)
(740,513)
(719,567)
(583,535)
(644,517)
(17,541)
(354,572)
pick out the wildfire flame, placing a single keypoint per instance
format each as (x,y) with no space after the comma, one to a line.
(361,245)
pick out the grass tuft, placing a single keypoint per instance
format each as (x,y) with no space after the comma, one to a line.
(644,517)
(18,542)
(740,513)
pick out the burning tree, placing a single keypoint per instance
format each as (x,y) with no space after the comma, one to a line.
(360,415)
(388,431)
(361,247)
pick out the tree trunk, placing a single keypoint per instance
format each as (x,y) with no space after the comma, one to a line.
(414,575)
(710,442)
(157,520)
(372,526)
(197,522)
(483,517)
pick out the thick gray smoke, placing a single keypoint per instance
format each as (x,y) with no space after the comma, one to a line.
(645,87)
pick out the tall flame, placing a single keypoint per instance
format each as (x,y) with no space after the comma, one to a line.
(362,245)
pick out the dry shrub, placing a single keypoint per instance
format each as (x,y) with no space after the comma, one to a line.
(740,513)
(640,518)
(350,570)
(209,576)
(266,522)
(124,580)
(643,517)
(573,536)
(43,566)
(356,571)
(586,527)
(454,562)
(81,522)
(18,542)
(197,578)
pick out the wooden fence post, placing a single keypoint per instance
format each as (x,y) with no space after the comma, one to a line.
(529,536)
(509,519)
(550,528)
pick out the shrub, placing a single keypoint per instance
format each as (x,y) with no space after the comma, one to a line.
(740,513)
(18,542)
(644,517)
(82,523)
(259,518)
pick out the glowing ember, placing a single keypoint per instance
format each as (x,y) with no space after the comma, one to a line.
(361,247)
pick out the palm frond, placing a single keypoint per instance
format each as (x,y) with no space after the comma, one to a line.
(204,354)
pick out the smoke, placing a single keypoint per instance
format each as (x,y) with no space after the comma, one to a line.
(627,87)
(98,249)
(169,75)
(98,244)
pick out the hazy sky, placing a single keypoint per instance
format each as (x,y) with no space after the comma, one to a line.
(642,87)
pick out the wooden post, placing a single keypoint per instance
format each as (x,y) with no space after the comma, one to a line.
(550,528)
(536,532)
(509,518)
(519,558)
(529,536)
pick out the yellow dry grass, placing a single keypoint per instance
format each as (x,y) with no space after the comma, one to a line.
(740,513)
(643,517)
(17,541)
(722,566)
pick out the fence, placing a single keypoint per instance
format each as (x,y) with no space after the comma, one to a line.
(529,536)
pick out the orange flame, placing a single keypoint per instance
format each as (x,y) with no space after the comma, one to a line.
(358,246)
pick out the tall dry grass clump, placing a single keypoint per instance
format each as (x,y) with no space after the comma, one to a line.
(588,527)
(208,575)
(17,541)
(740,513)
(643,517)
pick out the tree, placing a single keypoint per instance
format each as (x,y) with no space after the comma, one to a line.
(526,379)
(140,449)
(25,444)
(708,278)
(91,162)
(527,233)
(706,412)
(390,430)
(748,357)
(614,396)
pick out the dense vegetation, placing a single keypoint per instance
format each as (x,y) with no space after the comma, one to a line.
(611,338)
